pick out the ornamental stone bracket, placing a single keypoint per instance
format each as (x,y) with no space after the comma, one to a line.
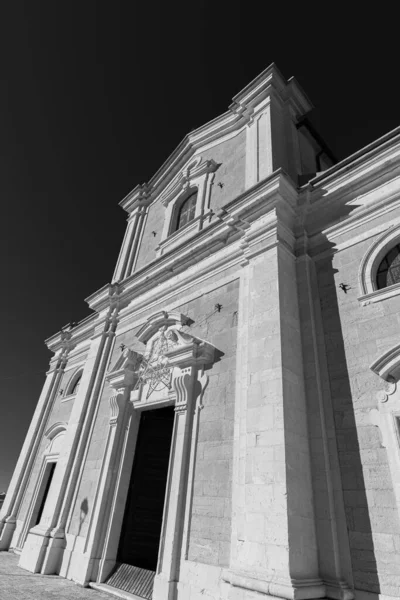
(197,170)
(122,378)
(123,374)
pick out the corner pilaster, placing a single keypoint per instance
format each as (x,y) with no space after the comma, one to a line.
(273,543)
(45,544)
(19,482)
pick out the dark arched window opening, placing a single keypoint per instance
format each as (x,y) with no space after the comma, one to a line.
(389,269)
(186,211)
(75,386)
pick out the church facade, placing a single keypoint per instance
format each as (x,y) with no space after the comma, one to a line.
(225,425)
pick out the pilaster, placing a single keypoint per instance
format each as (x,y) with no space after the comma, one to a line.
(45,543)
(136,204)
(273,543)
(331,528)
(271,140)
(102,532)
(188,361)
(20,479)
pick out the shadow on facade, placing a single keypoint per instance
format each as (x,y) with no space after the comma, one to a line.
(358,522)
(83,513)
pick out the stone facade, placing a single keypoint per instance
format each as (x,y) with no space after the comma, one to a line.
(261,322)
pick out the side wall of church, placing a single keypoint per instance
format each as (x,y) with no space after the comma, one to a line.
(355,336)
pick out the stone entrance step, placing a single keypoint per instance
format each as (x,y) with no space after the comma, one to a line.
(133,580)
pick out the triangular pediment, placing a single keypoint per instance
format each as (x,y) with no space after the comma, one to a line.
(237,116)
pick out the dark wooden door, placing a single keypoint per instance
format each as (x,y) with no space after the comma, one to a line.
(50,468)
(141,529)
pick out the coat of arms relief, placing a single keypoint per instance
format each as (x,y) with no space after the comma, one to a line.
(150,374)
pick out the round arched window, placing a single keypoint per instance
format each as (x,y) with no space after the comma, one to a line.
(388,271)
(74,385)
(186,211)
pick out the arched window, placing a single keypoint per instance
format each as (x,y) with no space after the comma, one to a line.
(187,211)
(388,271)
(74,384)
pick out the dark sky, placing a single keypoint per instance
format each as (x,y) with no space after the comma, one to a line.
(94,97)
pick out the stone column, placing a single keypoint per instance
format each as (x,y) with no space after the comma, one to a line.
(22,472)
(187,360)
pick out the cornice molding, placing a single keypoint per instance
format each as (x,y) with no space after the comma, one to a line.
(72,334)
(157,320)
(354,160)
(109,296)
(196,168)
(269,83)
(275,192)
(55,429)
(138,197)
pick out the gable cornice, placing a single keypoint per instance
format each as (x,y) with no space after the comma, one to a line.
(268,83)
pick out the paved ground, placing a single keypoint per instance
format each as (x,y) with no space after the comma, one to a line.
(18,584)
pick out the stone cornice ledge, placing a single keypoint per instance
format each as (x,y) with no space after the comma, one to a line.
(292,589)
(379,295)
(269,82)
(194,353)
(274,192)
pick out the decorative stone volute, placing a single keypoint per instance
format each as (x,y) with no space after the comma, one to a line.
(188,351)
(124,373)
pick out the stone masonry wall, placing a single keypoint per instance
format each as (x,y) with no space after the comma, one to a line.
(230,155)
(355,336)
(210,524)
(211,510)
(149,243)
(60,412)
(93,461)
